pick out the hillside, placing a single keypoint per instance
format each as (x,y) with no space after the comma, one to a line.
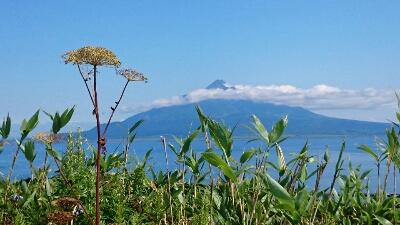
(179,120)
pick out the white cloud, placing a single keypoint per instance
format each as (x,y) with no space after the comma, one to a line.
(319,97)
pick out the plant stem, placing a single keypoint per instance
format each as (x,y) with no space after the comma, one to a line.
(168,177)
(99,145)
(113,109)
(9,178)
(70,186)
(87,87)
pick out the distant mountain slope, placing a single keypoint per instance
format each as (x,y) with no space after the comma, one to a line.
(179,120)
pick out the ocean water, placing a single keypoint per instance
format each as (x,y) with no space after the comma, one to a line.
(317,147)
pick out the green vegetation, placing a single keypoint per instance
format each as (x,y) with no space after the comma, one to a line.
(207,186)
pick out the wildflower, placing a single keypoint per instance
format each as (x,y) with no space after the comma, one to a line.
(16,198)
(78,210)
(132,75)
(96,56)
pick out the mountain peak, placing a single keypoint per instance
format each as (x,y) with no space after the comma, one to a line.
(218,84)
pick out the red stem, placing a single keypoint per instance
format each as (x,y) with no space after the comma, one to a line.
(96,112)
(115,108)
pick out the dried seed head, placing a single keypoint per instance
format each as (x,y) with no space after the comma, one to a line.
(59,217)
(67,203)
(96,56)
(47,137)
(132,75)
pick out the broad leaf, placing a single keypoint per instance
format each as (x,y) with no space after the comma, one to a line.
(216,161)
(278,129)
(29,151)
(301,198)
(368,150)
(247,156)
(186,143)
(66,116)
(382,220)
(260,128)
(56,123)
(277,190)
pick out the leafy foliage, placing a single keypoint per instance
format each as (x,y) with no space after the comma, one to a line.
(207,186)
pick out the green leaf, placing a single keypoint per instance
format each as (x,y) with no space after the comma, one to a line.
(304,149)
(202,117)
(103,165)
(278,129)
(33,121)
(66,117)
(398,100)
(23,127)
(6,127)
(53,152)
(216,161)
(222,138)
(29,151)
(19,144)
(56,123)
(301,198)
(382,220)
(368,150)
(48,188)
(24,188)
(260,128)
(48,114)
(188,141)
(277,190)
(326,155)
(339,160)
(227,170)
(132,138)
(247,155)
(303,173)
(136,125)
(285,206)
(398,116)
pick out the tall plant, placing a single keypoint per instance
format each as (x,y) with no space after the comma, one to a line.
(96,57)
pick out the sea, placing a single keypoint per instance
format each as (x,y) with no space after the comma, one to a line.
(292,145)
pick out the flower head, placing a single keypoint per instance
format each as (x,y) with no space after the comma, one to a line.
(96,56)
(59,217)
(67,203)
(16,198)
(47,137)
(78,210)
(132,75)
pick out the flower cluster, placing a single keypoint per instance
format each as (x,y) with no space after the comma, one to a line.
(67,203)
(132,75)
(96,56)
(78,210)
(16,198)
(47,137)
(59,217)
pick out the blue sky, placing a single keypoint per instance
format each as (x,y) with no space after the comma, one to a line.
(337,58)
